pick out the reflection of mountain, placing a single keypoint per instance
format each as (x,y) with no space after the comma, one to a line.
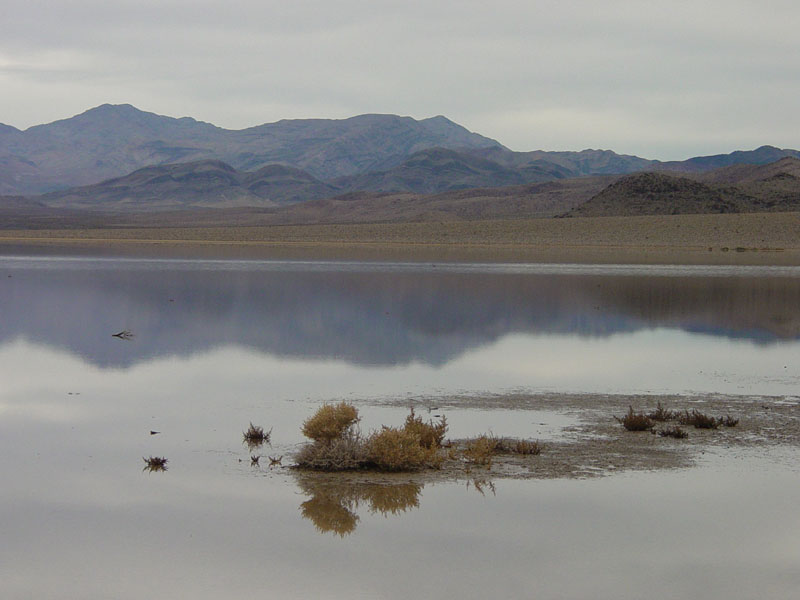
(334,501)
(364,316)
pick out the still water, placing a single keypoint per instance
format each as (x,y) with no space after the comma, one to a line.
(218,344)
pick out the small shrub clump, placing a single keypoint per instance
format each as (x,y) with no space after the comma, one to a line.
(636,421)
(330,422)
(480,450)
(431,435)
(729,421)
(515,446)
(345,453)
(698,419)
(662,414)
(392,449)
(255,436)
(155,463)
(673,432)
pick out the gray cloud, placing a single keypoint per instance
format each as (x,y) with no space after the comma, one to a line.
(662,80)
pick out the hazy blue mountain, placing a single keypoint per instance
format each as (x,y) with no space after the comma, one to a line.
(114,140)
(201,184)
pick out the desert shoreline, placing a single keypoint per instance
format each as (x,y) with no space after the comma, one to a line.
(725,239)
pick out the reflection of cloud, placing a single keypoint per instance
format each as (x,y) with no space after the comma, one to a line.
(335,500)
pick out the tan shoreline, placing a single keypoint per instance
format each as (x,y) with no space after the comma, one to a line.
(763,238)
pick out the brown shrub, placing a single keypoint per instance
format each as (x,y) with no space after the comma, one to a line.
(155,463)
(255,436)
(481,449)
(661,414)
(698,419)
(331,421)
(431,435)
(673,432)
(392,449)
(636,421)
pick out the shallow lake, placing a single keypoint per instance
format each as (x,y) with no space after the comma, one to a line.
(220,343)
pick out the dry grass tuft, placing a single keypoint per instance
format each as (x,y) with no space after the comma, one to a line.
(431,435)
(392,449)
(636,421)
(255,436)
(662,414)
(155,463)
(330,422)
(480,450)
(673,432)
(728,421)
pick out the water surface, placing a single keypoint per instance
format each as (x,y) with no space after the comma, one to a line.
(221,343)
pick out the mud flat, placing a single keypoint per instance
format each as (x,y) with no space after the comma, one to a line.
(598,445)
(763,238)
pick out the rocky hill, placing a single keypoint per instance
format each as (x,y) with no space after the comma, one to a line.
(208,183)
(744,188)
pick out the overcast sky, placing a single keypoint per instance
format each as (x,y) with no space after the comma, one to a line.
(667,79)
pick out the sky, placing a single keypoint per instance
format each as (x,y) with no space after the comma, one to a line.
(663,80)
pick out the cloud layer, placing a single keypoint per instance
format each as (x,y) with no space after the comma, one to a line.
(661,80)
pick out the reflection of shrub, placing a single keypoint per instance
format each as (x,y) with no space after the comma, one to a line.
(430,434)
(333,503)
(393,499)
(636,421)
(392,449)
(331,421)
(344,453)
(328,514)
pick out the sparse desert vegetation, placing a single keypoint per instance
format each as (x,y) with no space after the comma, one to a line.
(634,421)
(415,446)
(255,436)
(155,463)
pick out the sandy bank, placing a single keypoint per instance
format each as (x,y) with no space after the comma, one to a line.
(764,238)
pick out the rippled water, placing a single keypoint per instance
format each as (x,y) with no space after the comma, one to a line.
(218,344)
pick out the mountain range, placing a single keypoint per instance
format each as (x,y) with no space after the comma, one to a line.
(118,159)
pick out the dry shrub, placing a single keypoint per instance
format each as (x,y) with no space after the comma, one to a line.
(481,449)
(661,414)
(527,447)
(392,449)
(673,432)
(255,436)
(636,421)
(728,421)
(331,421)
(698,419)
(155,463)
(342,454)
(431,435)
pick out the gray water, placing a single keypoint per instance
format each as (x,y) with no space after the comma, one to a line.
(218,344)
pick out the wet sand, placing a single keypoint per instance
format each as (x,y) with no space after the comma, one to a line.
(764,238)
